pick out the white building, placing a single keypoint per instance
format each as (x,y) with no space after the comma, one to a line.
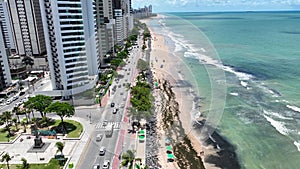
(71,43)
(119,28)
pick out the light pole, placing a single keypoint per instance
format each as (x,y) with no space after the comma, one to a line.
(90,118)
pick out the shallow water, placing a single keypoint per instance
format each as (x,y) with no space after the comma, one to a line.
(259,54)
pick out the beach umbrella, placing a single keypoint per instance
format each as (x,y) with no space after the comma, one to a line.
(170,157)
(141,132)
(169,148)
(141,137)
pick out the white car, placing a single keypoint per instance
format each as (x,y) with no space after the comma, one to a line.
(8,101)
(102,151)
(106,164)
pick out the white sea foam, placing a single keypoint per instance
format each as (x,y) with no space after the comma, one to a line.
(234,94)
(297,144)
(294,108)
(244,84)
(285,101)
(277,115)
(192,51)
(240,75)
(279,126)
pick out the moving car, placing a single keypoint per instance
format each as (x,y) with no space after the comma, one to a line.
(102,151)
(112,104)
(99,137)
(115,111)
(106,164)
(96,166)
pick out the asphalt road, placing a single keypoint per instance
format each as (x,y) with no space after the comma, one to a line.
(97,115)
(91,155)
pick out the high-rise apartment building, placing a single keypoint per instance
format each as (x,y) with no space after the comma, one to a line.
(5,77)
(105,25)
(5,24)
(71,39)
(27,27)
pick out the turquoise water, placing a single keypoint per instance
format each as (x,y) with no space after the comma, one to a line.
(260,55)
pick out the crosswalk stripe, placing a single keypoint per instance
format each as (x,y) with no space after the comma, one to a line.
(100,125)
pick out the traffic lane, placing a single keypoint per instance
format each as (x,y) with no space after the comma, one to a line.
(109,143)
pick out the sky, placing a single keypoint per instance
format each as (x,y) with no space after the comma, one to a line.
(217,5)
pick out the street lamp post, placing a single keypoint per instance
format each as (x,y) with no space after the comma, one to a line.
(90,118)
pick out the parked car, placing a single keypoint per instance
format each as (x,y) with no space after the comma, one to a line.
(112,104)
(102,151)
(106,164)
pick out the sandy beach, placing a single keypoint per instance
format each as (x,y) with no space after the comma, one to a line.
(166,66)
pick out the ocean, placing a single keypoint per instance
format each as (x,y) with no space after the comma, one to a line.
(245,67)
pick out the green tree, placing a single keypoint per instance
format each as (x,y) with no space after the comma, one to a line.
(116,62)
(17,112)
(24,126)
(39,103)
(6,158)
(7,116)
(122,55)
(62,109)
(60,146)
(142,65)
(34,120)
(25,164)
(128,159)
(15,120)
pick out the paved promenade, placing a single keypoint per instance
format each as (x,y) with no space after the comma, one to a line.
(73,147)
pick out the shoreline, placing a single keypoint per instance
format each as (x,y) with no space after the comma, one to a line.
(164,66)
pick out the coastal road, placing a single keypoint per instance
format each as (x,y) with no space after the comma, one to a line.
(119,97)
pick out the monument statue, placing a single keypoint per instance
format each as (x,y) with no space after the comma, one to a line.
(38,143)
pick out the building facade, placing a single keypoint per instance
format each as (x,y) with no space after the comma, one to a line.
(5,77)
(27,27)
(5,25)
(71,39)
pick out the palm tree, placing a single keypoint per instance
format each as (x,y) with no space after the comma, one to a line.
(34,120)
(6,158)
(60,146)
(24,125)
(17,112)
(62,110)
(15,120)
(128,159)
(25,164)
(6,116)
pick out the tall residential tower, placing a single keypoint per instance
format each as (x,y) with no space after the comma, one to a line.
(71,38)
(27,27)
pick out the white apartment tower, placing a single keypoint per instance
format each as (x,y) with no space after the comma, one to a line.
(71,39)
(119,28)
(27,27)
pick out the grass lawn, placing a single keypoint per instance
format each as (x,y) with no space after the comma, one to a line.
(3,136)
(53,164)
(74,128)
